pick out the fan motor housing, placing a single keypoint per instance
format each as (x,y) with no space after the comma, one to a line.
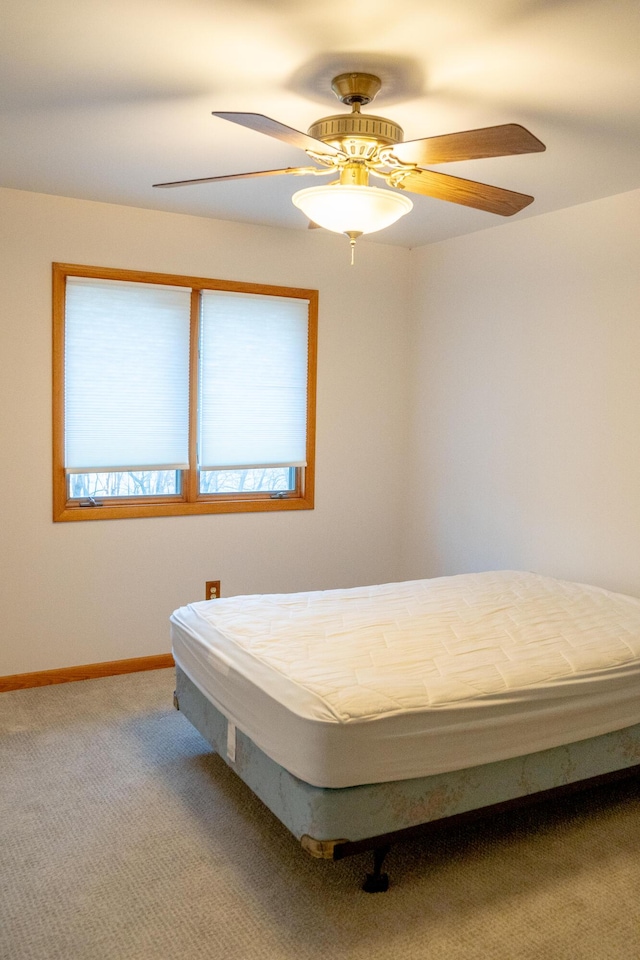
(359,135)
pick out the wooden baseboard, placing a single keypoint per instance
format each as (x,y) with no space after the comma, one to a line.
(88,671)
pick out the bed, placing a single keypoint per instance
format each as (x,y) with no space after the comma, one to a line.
(360,716)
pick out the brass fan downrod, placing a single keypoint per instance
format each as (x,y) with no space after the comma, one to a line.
(356,89)
(356,134)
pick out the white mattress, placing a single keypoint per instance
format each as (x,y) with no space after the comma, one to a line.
(365,685)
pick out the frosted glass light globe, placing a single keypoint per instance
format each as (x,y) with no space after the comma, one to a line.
(348,209)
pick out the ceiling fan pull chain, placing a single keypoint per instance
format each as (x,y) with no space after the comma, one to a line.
(353,236)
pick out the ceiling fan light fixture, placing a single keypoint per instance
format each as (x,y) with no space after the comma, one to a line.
(357,145)
(343,208)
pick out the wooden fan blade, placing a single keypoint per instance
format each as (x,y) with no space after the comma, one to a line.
(502,141)
(272,128)
(469,193)
(313,226)
(233,176)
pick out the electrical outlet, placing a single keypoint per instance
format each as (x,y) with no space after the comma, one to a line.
(212,590)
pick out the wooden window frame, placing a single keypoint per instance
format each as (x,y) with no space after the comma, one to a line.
(189,502)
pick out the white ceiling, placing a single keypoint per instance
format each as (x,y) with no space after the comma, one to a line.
(102,98)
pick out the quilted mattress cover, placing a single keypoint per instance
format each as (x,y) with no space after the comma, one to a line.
(394,681)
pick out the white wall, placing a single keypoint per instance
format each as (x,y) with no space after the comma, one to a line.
(74,593)
(490,419)
(527,399)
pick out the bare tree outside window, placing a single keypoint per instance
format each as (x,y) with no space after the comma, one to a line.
(163,483)
(147,483)
(247,481)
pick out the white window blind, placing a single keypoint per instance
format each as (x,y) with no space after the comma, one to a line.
(253,381)
(126,376)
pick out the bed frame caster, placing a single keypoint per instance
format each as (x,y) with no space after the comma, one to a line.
(377,882)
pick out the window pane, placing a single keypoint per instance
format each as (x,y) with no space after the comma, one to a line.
(147,483)
(253,381)
(126,375)
(263,480)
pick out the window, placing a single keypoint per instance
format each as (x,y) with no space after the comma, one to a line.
(178,395)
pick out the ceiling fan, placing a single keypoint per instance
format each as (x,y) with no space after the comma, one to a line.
(356,146)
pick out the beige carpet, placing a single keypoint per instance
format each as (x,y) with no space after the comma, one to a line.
(123,838)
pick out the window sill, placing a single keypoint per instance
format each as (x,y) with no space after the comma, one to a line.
(181,509)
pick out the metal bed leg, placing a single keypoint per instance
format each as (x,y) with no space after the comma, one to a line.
(377,882)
